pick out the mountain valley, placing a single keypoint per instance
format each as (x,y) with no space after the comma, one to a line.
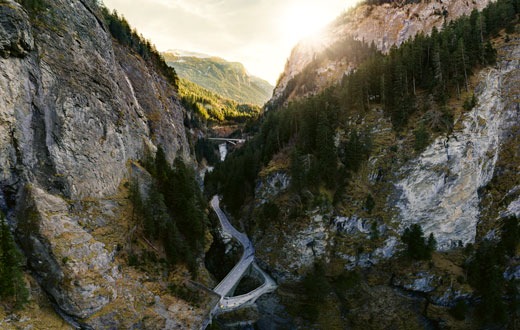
(377,187)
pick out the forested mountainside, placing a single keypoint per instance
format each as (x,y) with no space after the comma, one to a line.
(229,79)
(318,62)
(207,106)
(85,104)
(380,188)
(392,196)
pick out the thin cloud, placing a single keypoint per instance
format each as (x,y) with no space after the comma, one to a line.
(247,31)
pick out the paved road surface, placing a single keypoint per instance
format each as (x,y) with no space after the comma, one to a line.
(234,276)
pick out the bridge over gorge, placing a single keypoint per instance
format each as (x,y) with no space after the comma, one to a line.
(245,266)
(231,141)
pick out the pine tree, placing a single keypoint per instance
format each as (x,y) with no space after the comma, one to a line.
(297,171)
(12,284)
(510,236)
(478,30)
(461,65)
(438,72)
(135,198)
(417,246)
(156,214)
(485,274)
(431,244)
(370,203)
(326,150)
(422,138)
(33,6)
(162,167)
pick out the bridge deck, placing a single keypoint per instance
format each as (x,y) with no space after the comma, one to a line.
(231,303)
(235,275)
(228,140)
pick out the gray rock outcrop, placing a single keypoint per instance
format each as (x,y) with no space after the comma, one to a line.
(75,109)
(79,107)
(440,189)
(73,267)
(419,282)
(15,31)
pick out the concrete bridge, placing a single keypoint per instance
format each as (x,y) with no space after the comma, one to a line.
(236,302)
(246,265)
(231,141)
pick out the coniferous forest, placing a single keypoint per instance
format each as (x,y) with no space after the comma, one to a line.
(415,80)
(128,37)
(173,211)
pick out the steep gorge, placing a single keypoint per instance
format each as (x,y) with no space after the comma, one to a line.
(335,175)
(78,109)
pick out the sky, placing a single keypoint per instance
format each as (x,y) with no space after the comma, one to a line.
(258,33)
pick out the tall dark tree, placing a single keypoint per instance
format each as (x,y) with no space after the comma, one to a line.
(486,275)
(417,246)
(326,150)
(12,284)
(33,6)
(510,235)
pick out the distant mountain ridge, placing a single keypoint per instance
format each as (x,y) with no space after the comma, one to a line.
(187,53)
(229,79)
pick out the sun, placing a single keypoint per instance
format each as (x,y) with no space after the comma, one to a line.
(303,20)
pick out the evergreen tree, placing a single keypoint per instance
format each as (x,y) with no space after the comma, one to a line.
(12,284)
(174,210)
(156,214)
(326,150)
(316,289)
(438,73)
(135,198)
(33,6)
(422,138)
(297,171)
(485,274)
(271,211)
(461,65)
(174,246)
(431,245)
(357,150)
(162,167)
(510,235)
(370,203)
(417,246)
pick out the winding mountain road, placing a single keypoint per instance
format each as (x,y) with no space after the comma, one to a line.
(235,275)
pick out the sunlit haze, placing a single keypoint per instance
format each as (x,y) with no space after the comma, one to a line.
(258,33)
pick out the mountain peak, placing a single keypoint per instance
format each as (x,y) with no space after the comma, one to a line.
(383,24)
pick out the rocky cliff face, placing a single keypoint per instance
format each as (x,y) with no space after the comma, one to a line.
(440,189)
(458,188)
(384,25)
(75,108)
(444,189)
